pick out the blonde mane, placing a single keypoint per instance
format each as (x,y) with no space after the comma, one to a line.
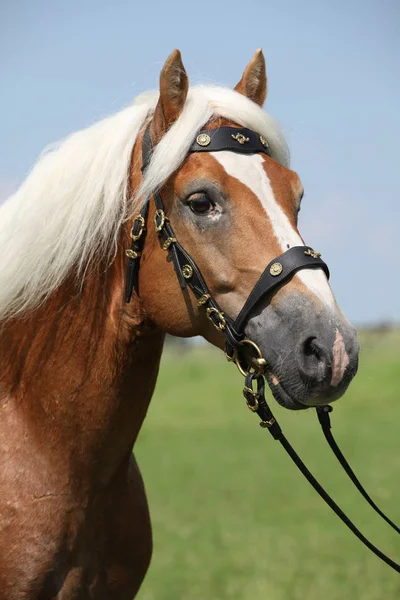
(74,202)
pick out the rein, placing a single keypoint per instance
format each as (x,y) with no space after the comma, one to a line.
(276,273)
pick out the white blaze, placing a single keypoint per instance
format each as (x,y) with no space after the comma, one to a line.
(249,170)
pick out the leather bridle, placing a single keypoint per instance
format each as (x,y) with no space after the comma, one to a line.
(277,272)
(238,348)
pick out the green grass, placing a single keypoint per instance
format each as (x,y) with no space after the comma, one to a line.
(232,516)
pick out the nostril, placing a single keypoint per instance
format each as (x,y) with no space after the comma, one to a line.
(313,359)
(311,348)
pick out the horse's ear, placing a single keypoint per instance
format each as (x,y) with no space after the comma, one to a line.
(174,85)
(254,79)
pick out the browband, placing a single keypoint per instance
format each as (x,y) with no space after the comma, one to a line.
(241,140)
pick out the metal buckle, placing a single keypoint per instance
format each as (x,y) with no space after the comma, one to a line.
(221,324)
(142,222)
(255,396)
(160,214)
(258,359)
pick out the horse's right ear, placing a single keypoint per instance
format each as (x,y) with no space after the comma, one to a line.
(254,79)
(174,85)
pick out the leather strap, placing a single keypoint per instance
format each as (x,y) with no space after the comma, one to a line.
(189,274)
(277,272)
(332,504)
(147,148)
(241,140)
(325,422)
(138,231)
(138,235)
(257,403)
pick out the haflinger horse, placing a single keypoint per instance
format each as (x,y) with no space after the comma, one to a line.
(79,363)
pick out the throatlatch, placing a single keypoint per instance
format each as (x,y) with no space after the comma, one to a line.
(276,274)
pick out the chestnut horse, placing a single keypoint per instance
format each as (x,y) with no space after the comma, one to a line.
(79,365)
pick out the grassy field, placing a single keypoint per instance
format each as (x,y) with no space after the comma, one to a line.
(232,516)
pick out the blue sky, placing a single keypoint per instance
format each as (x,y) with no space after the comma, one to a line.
(334,85)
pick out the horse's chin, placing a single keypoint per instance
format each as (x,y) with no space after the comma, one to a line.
(288,400)
(280,394)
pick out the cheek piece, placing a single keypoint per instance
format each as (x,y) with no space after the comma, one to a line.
(239,349)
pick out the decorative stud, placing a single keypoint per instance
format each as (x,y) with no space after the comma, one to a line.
(132,254)
(203,300)
(239,137)
(203,139)
(264,141)
(168,242)
(276,269)
(312,253)
(187,271)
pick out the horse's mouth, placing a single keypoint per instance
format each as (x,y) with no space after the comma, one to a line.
(278,391)
(280,394)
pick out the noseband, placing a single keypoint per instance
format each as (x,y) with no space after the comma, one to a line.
(238,348)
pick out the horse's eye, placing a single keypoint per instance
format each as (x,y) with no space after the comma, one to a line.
(201,205)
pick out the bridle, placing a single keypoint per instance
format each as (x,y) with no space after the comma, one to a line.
(238,348)
(277,272)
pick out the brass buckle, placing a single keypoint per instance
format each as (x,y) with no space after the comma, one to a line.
(252,369)
(142,222)
(222,322)
(161,215)
(252,407)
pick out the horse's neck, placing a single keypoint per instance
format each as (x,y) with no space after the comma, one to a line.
(80,373)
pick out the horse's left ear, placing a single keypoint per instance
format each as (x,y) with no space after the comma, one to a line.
(254,79)
(174,85)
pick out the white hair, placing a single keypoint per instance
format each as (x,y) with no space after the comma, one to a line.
(74,202)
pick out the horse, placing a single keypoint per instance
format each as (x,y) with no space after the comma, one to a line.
(79,362)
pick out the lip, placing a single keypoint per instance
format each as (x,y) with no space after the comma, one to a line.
(280,394)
